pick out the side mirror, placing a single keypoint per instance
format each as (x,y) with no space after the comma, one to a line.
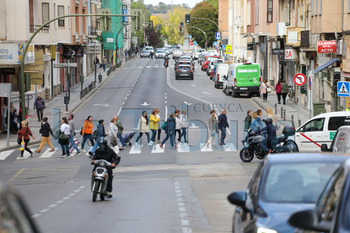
(238,198)
(308,220)
(324,148)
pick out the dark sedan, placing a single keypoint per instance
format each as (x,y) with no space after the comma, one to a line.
(331,213)
(282,184)
(184,71)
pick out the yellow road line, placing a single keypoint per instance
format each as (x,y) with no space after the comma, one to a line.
(17,174)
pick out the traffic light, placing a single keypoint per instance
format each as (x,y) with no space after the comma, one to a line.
(187,18)
(180,28)
(105,21)
(136,21)
(150,24)
(27,82)
(182,24)
(336,79)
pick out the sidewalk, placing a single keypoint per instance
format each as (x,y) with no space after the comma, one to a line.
(54,107)
(291,108)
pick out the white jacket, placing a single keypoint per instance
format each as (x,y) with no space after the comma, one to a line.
(113,130)
(65,129)
(183,121)
(178,122)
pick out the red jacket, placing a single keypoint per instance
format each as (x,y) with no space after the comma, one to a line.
(24,132)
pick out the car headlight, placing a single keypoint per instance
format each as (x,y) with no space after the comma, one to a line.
(265,230)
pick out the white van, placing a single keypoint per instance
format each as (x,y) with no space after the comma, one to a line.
(319,130)
(220,72)
(341,141)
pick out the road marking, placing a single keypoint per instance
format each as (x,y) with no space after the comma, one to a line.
(135,149)
(185,222)
(183,147)
(148,67)
(157,150)
(5,154)
(207,93)
(140,67)
(17,174)
(230,147)
(205,148)
(47,153)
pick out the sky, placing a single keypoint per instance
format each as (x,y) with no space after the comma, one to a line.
(190,3)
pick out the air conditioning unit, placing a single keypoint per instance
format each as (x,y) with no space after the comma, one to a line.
(340,47)
(281,29)
(303,59)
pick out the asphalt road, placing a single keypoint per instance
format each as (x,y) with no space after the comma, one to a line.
(180,190)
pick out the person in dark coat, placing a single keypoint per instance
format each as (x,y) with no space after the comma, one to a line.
(271,133)
(45,131)
(39,105)
(106,153)
(223,124)
(169,130)
(248,120)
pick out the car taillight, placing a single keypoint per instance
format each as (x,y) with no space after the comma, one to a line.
(191,71)
(260,80)
(234,81)
(218,76)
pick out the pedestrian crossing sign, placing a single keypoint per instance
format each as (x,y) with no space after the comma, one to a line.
(343,89)
(228,49)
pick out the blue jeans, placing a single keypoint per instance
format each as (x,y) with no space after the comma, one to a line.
(86,137)
(171,136)
(154,132)
(121,139)
(223,134)
(184,130)
(71,140)
(95,146)
(65,149)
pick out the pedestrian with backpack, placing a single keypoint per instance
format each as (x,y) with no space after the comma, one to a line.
(120,132)
(45,131)
(86,132)
(64,137)
(100,133)
(72,133)
(169,131)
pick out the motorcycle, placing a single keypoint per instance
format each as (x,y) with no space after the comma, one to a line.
(281,144)
(99,179)
(166,63)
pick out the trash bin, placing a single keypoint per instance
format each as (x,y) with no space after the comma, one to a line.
(319,108)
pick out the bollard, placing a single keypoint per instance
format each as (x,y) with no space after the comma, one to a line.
(275,108)
(281,112)
(284,115)
(299,122)
(292,116)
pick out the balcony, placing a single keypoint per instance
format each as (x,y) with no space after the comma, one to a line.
(92,31)
(33,28)
(77,2)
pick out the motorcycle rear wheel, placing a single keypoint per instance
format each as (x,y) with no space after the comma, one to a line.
(246,155)
(95,192)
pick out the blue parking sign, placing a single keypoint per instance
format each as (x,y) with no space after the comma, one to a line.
(343,89)
(217,35)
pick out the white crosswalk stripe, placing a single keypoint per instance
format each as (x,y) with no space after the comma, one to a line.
(47,153)
(230,147)
(205,148)
(5,154)
(156,149)
(183,147)
(135,149)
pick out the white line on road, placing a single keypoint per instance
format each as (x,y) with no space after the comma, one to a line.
(5,154)
(207,93)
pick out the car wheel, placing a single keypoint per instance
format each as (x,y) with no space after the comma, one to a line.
(258,94)
(176,77)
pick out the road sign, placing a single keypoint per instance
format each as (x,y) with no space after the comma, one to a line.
(65,65)
(217,35)
(300,79)
(228,49)
(343,89)
(191,42)
(215,43)
(223,47)
(195,42)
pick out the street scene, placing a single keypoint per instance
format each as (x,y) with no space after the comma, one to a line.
(209,116)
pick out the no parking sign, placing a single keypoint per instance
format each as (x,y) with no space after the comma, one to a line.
(300,79)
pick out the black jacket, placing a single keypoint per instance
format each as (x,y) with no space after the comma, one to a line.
(108,155)
(46,129)
(222,121)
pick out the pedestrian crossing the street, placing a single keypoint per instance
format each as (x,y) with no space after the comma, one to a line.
(135,149)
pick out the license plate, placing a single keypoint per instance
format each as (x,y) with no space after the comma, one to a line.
(243,88)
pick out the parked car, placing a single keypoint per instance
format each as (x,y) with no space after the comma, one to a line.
(221,70)
(331,213)
(281,185)
(195,54)
(319,130)
(178,53)
(202,57)
(206,60)
(211,66)
(213,52)
(160,53)
(243,78)
(340,142)
(184,71)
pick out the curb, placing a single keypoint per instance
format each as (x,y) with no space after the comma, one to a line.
(74,108)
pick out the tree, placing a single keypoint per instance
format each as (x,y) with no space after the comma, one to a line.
(171,26)
(208,11)
(214,3)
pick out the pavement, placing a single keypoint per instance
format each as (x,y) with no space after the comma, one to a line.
(298,115)
(55,107)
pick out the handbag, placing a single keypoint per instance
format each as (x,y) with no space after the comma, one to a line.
(163,127)
(114,142)
(63,139)
(268,90)
(22,146)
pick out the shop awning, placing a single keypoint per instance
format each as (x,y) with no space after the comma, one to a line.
(325,65)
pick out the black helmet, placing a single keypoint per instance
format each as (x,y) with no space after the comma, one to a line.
(102,143)
(268,121)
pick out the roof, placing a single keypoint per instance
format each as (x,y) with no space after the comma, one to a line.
(305,157)
(341,113)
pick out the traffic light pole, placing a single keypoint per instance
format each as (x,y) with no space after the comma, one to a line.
(205,34)
(22,91)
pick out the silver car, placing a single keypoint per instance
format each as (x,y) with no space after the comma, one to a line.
(178,53)
(160,53)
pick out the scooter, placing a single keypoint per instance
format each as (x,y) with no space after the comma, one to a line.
(99,179)
(166,63)
(252,145)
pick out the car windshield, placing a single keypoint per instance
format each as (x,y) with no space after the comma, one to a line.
(296,182)
(160,51)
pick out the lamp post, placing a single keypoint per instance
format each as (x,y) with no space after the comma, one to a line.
(205,34)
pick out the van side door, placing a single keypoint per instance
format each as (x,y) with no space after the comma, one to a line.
(308,134)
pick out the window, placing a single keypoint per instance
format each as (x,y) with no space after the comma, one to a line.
(320,13)
(314,125)
(312,7)
(335,123)
(316,7)
(256,12)
(269,11)
(46,12)
(60,13)
(348,6)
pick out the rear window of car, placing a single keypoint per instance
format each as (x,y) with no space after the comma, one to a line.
(184,68)
(296,182)
(335,122)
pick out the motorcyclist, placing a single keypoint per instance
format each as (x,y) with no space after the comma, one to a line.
(166,60)
(106,153)
(271,134)
(151,54)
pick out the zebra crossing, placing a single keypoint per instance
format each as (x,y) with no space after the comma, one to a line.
(135,149)
(147,67)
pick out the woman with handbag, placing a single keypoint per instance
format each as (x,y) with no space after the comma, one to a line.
(113,132)
(264,90)
(64,137)
(153,124)
(23,138)
(213,128)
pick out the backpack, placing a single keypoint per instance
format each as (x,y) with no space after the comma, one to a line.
(163,127)
(94,134)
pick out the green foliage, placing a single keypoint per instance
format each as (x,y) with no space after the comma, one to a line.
(208,11)
(214,3)
(171,27)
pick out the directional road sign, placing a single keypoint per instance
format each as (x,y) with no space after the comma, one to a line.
(343,89)
(300,79)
